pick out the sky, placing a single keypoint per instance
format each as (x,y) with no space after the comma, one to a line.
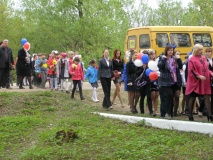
(153,3)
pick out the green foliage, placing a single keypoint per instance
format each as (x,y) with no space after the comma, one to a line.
(90,26)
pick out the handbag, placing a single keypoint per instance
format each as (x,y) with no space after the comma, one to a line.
(140,82)
(115,74)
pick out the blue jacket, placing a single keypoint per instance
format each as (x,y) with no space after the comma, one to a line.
(91,74)
(124,78)
(38,65)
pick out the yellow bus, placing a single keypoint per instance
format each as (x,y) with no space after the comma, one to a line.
(157,37)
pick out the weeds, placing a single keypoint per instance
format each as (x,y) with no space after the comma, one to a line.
(28,131)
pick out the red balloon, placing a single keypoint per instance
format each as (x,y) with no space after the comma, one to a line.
(153,76)
(139,55)
(26,46)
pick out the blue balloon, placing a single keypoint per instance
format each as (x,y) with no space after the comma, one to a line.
(148,71)
(145,58)
(23,41)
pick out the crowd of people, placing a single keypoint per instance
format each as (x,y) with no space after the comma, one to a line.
(194,77)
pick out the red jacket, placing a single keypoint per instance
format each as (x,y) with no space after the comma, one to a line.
(198,65)
(51,67)
(77,73)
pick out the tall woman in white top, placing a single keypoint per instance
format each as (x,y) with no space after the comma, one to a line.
(105,74)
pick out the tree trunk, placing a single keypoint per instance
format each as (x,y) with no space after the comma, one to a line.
(79,7)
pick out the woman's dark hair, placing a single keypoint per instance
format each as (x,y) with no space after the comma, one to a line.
(145,52)
(167,48)
(76,59)
(115,52)
(92,62)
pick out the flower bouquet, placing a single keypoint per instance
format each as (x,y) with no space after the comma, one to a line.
(51,65)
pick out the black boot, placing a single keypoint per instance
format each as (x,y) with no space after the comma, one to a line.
(191,119)
(30,82)
(21,82)
(210,118)
(72,95)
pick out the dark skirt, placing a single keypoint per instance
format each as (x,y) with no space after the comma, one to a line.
(117,80)
(24,71)
(154,86)
(132,88)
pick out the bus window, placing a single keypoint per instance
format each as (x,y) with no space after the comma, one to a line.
(180,39)
(162,39)
(131,44)
(203,39)
(144,41)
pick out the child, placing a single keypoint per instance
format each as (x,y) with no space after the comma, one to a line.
(52,72)
(38,69)
(71,55)
(63,71)
(43,70)
(92,75)
(77,77)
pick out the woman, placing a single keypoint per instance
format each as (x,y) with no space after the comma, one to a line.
(131,71)
(177,90)
(198,81)
(105,74)
(124,75)
(145,90)
(154,88)
(184,102)
(208,54)
(24,67)
(117,70)
(169,80)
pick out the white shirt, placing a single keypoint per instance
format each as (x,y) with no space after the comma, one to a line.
(107,61)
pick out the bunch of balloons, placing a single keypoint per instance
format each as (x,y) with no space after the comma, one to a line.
(152,70)
(141,59)
(152,65)
(25,44)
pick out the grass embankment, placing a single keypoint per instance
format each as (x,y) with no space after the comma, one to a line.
(29,122)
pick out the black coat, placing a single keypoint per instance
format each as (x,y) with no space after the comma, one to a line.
(23,68)
(132,73)
(104,70)
(211,68)
(3,60)
(165,78)
(118,65)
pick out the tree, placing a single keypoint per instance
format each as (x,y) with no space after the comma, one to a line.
(77,25)
(139,14)
(169,13)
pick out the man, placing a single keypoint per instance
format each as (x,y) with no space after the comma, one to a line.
(6,64)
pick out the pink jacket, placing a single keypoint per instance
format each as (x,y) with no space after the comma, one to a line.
(198,65)
(77,73)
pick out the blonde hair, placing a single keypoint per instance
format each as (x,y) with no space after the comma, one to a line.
(70,52)
(151,51)
(76,52)
(196,48)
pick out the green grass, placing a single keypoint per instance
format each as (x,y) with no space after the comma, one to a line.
(29,122)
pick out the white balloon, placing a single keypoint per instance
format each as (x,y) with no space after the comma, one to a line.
(153,65)
(138,62)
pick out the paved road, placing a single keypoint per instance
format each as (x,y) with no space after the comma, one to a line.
(14,88)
